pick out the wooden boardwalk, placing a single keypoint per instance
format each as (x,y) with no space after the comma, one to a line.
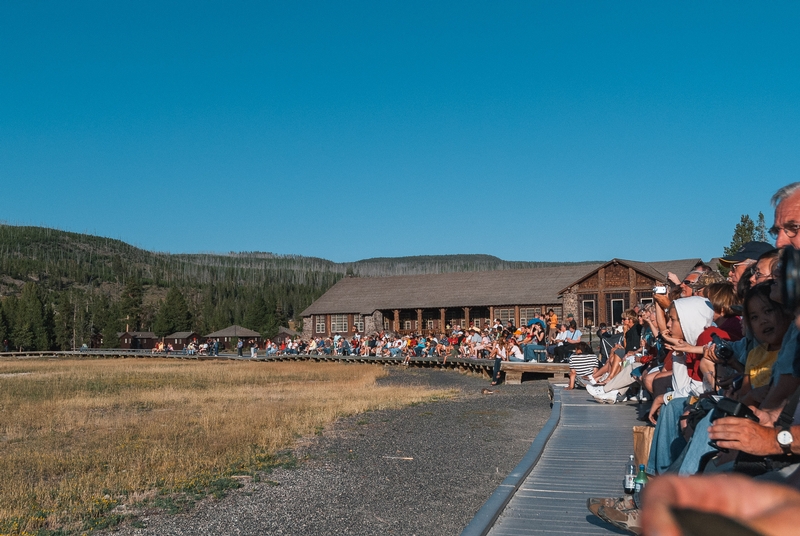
(585,456)
(481,366)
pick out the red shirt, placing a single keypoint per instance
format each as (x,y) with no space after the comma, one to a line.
(693,360)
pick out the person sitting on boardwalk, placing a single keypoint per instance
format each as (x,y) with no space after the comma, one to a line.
(617,358)
(582,362)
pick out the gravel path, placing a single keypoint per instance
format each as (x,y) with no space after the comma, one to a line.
(423,470)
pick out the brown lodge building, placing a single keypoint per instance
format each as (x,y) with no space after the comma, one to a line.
(593,293)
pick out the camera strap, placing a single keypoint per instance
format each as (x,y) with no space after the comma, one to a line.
(786,418)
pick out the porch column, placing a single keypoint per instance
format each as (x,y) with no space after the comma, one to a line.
(516,315)
(466,318)
(419,320)
(632,286)
(491,314)
(396,320)
(441,320)
(328,325)
(601,296)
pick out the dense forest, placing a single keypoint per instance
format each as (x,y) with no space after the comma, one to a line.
(62,289)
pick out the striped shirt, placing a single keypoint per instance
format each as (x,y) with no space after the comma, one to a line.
(583,364)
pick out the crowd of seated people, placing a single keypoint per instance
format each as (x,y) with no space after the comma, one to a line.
(471,343)
(718,361)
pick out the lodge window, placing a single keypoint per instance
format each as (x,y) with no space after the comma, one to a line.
(587,313)
(588,309)
(616,303)
(358,322)
(429,324)
(505,315)
(407,324)
(454,317)
(320,323)
(645,297)
(338,323)
(527,314)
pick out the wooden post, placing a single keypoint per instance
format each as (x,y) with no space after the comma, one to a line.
(419,320)
(466,318)
(601,296)
(516,315)
(632,285)
(396,320)
(441,320)
(491,314)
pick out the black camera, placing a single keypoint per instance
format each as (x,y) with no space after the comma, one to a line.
(790,278)
(728,407)
(723,348)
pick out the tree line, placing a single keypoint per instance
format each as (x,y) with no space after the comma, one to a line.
(60,290)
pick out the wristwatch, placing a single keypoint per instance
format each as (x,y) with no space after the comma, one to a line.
(785,440)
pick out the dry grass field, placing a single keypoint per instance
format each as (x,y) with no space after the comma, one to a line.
(82,440)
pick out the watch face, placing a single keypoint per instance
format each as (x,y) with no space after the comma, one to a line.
(785,437)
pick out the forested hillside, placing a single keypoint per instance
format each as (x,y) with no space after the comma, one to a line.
(60,289)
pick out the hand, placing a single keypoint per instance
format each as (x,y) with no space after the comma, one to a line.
(770,509)
(684,347)
(669,339)
(745,435)
(710,353)
(662,300)
(769,416)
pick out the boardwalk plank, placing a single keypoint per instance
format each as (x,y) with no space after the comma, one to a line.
(573,467)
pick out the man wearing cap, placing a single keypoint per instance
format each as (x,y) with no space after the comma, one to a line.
(747,255)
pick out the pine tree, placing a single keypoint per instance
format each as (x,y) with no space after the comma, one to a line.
(64,324)
(130,304)
(173,315)
(743,233)
(256,315)
(5,333)
(31,330)
(761,229)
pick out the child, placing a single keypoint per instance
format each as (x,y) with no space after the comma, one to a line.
(768,323)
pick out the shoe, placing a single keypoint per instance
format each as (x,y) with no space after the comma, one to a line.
(607,398)
(594,390)
(624,503)
(629,519)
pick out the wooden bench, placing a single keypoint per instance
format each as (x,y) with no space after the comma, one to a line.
(514,370)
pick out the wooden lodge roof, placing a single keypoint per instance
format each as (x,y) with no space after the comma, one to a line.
(138,334)
(533,286)
(287,331)
(656,270)
(182,335)
(234,331)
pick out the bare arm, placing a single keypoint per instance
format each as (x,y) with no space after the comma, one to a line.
(780,392)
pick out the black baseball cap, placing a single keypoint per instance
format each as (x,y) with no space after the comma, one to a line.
(750,250)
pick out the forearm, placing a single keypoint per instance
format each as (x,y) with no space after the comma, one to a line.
(787,384)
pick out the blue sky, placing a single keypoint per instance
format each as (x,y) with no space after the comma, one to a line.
(348,130)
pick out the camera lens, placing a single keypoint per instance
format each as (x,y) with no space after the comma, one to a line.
(790,275)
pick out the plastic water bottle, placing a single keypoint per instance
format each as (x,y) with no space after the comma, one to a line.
(641,480)
(629,484)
